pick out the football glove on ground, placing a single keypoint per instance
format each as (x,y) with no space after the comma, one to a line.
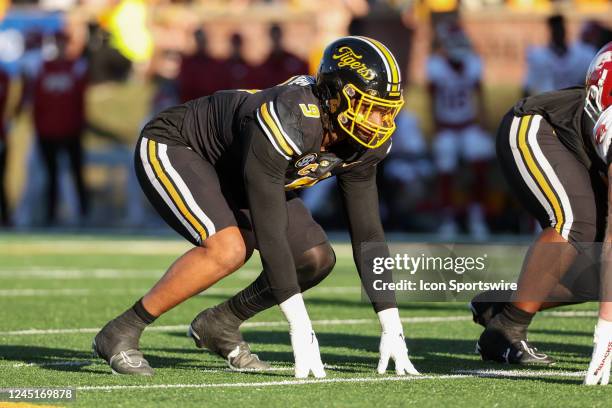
(303,339)
(599,369)
(393,344)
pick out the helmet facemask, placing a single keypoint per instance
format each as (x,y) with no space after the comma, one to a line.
(368,119)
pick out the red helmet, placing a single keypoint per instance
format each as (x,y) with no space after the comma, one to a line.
(599,83)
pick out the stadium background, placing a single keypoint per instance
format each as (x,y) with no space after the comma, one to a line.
(134,51)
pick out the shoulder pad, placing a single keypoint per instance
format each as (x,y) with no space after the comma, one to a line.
(291,121)
(300,80)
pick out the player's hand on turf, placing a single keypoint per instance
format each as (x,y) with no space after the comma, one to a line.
(393,345)
(601,359)
(303,340)
(307,355)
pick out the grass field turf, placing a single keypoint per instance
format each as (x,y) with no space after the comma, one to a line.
(55,291)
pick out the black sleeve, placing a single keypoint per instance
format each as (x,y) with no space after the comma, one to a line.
(264,176)
(360,199)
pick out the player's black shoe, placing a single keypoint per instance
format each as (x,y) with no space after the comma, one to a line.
(217,329)
(117,343)
(508,346)
(484,308)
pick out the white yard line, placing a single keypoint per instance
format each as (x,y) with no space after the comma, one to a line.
(98,273)
(333,322)
(520,373)
(460,375)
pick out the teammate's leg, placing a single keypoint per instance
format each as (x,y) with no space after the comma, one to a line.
(556,188)
(185,191)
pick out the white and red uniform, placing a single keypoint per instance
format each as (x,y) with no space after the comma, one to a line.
(59,99)
(455,112)
(548,71)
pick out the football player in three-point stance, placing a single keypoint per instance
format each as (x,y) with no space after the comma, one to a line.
(554,149)
(220,170)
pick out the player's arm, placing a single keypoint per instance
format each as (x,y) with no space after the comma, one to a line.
(360,199)
(264,175)
(601,359)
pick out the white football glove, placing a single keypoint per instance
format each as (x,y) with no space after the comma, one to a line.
(393,344)
(307,355)
(303,340)
(601,359)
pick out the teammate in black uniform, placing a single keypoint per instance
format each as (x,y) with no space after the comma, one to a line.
(220,171)
(557,162)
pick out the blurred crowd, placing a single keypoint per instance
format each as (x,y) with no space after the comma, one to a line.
(439,178)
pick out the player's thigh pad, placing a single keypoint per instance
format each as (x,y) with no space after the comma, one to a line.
(476,144)
(446,148)
(183,188)
(552,184)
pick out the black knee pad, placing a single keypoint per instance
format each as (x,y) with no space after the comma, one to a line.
(314,265)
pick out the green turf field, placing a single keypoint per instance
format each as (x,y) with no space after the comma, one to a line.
(55,291)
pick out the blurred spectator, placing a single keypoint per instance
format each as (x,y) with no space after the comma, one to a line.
(454,76)
(4,91)
(406,172)
(31,61)
(199,74)
(30,65)
(559,64)
(59,119)
(236,69)
(280,64)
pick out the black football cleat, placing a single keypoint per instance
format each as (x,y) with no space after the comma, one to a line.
(494,345)
(217,329)
(118,346)
(486,305)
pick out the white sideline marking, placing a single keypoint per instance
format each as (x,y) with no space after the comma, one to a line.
(124,291)
(424,319)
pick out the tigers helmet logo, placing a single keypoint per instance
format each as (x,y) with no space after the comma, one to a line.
(306,160)
(348,58)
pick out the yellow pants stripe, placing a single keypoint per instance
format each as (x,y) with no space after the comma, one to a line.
(537,174)
(174,195)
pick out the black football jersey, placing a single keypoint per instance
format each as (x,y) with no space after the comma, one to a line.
(288,116)
(564,111)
